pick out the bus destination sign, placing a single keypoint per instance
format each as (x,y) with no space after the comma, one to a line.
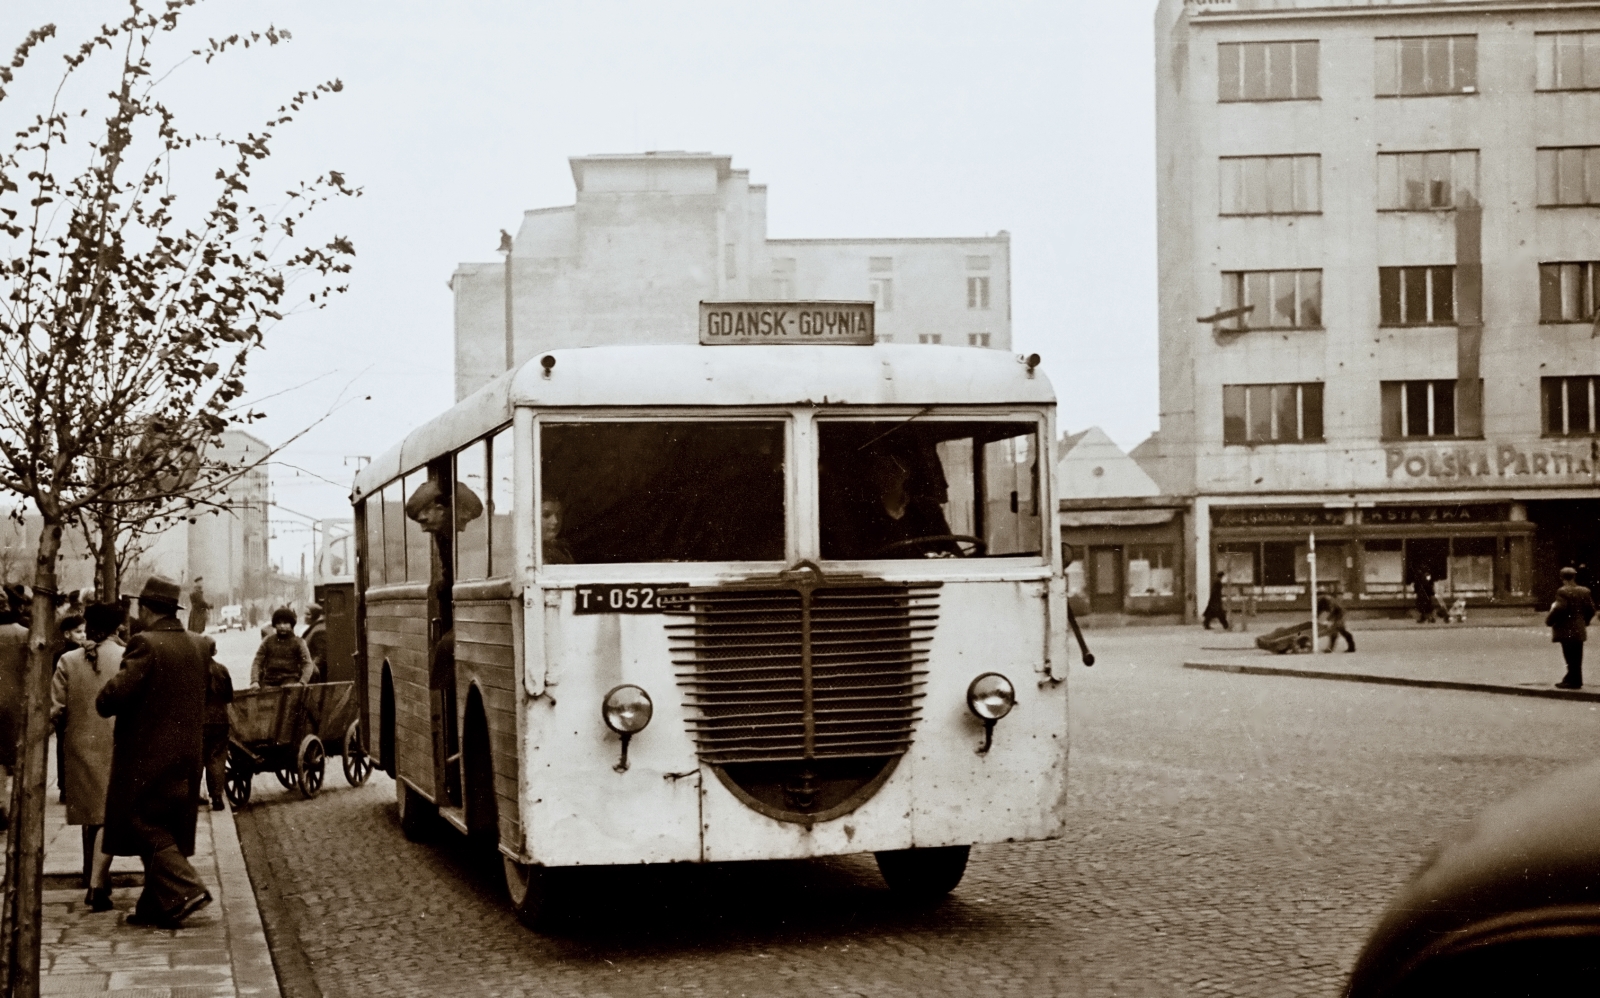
(742,323)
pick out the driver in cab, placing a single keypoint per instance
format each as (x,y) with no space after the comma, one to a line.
(896,512)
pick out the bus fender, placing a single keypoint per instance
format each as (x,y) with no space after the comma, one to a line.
(1055,655)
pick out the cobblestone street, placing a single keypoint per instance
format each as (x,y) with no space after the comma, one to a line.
(1229,835)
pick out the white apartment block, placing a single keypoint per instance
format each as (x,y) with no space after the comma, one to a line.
(1379,247)
(651,235)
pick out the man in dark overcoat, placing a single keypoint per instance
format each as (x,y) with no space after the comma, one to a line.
(159,701)
(13,681)
(1568,621)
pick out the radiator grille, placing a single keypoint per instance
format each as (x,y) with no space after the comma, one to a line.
(808,670)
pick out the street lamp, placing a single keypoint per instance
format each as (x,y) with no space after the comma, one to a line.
(511,349)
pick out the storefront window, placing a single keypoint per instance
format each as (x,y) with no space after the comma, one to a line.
(1150,570)
(1384,573)
(1520,555)
(1237,563)
(1330,565)
(1472,567)
(1278,563)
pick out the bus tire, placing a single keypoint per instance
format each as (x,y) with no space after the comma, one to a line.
(528,888)
(923,875)
(416,814)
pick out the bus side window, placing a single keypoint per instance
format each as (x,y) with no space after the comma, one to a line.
(472,537)
(394,534)
(502,506)
(419,546)
(374,513)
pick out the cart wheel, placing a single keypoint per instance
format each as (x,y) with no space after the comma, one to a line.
(357,764)
(313,761)
(1302,645)
(288,776)
(237,782)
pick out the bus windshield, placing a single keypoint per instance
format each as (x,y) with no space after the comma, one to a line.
(928,488)
(635,491)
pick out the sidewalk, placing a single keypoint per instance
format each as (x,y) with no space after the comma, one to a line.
(1518,661)
(220,951)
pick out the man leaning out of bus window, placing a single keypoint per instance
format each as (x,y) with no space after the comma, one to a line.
(283,658)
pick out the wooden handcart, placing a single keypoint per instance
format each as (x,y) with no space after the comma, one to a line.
(1293,639)
(289,731)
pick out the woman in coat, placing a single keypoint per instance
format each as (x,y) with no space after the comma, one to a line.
(86,740)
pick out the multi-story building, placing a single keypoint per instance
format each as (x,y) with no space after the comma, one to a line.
(1379,248)
(650,235)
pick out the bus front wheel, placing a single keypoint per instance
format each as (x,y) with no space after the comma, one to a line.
(528,888)
(416,814)
(923,874)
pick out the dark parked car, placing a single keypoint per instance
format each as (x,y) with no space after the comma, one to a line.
(1511,906)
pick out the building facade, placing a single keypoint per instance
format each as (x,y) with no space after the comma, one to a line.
(649,236)
(1379,243)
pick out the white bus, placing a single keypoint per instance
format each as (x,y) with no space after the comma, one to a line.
(656,604)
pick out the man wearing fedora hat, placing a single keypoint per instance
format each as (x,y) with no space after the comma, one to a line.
(159,701)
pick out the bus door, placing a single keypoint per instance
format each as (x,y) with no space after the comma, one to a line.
(441,524)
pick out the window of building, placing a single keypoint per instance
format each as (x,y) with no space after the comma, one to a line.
(1278,563)
(1279,299)
(1426,181)
(1568,292)
(977,292)
(1569,176)
(1568,60)
(880,264)
(977,263)
(977,339)
(1150,571)
(1267,414)
(1418,409)
(931,338)
(1252,71)
(1383,567)
(1569,406)
(1417,296)
(883,293)
(1415,67)
(1271,185)
(1237,563)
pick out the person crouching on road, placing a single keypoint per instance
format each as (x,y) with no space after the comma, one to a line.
(283,658)
(86,740)
(159,701)
(1568,621)
(1333,613)
(219,693)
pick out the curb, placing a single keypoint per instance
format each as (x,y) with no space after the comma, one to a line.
(1430,684)
(253,973)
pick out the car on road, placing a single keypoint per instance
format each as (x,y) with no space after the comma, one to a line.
(231,617)
(1508,906)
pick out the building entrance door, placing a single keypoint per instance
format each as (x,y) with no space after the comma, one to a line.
(1105,579)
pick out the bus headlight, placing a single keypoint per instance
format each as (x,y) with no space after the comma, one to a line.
(627,709)
(991,697)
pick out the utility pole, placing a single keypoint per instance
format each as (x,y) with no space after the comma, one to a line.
(511,346)
(1311,560)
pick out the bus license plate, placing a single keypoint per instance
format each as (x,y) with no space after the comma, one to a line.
(624,599)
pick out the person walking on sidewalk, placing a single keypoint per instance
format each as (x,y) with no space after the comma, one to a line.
(219,693)
(86,739)
(1333,611)
(1214,608)
(199,609)
(1568,621)
(1427,606)
(159,701)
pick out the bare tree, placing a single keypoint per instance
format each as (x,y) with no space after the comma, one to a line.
(125,332)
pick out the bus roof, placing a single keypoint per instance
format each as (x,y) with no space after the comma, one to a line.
(664,376)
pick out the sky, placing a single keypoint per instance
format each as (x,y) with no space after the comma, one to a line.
(865,118)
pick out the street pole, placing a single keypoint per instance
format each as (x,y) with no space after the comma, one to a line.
(1311,559)
(511,346)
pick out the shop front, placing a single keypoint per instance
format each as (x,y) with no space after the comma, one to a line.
(1371,554)
(1126,560)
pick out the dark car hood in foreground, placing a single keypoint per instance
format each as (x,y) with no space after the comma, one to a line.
(1528,866)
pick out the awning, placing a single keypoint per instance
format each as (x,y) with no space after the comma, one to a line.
(1116,517)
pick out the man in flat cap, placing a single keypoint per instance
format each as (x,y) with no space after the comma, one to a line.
(159,701)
